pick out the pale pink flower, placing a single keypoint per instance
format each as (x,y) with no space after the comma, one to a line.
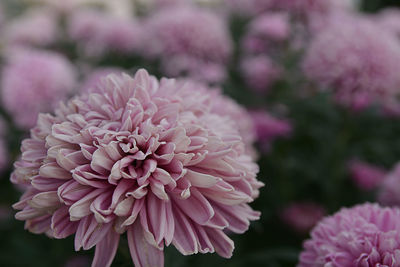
(357,60)
(260,72)
(265,31)
(33,81)
(366,176)
(192,38)
(143,157)
(363,236)
(36,27)
(389,191)
(97,32)
(302,216)
(389,19)
(93,78)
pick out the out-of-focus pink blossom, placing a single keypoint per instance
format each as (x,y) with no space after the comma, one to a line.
(36,27)
(195,40)
(140,156)
(365,235)
(98,32)
(265,31)
(33,81)
(268,128)
(260,72)
(389,19)
(366,176)
(356,59)
(94,78)
(302,216)
(389,191)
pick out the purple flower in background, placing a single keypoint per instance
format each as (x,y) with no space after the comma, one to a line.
(265,31)
(302,216)
(366,176)
(365,235)
(98,32)
(260,72)
(36,27)
(33,81)
(267,128)
(94,78)
(356,59)
(389,191)
(139,156)
(196,49)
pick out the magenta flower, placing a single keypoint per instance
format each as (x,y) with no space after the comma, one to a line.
(97,32)
(175,35)
(366,176)
(364,236)
(143,157)
(260,72)
(389,191)
(357,60)
(33,81)
(302,216)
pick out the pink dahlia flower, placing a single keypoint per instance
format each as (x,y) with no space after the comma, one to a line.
(302,216)
(192,38)
(363,236)
(265,30)
(37,27)
(389,192)
(260,72)
(32,81)
(366,176)
(357,59)
(97,32)
(143,157)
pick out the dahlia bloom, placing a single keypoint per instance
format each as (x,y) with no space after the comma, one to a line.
(97,32)
(389,191)
(366,176)
(32,81)
(37,27)
(365,235)
(143,157)
(265,30)
(302,216)
(357,59)
(175,35)
(260,72)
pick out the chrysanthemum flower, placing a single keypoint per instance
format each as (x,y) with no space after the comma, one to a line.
(366,176)
(366,235)
(36,27)
(302,216)
(98,32)
(260,72)
(389,191)
(192,38)
(32,81)
(143,157)
(356,59)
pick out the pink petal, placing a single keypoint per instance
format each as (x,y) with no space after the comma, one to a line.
(106,250)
